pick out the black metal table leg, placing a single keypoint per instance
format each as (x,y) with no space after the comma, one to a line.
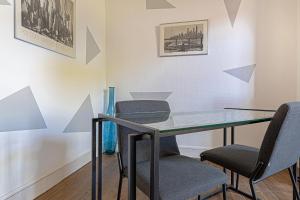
(94,164)
(154,169)
(224,141)
(131,167)
(100,160)
(225,137)
(232,135)
(232,142)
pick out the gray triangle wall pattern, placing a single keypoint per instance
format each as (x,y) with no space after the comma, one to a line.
(242,73)
(92,48)
(82,120)
(232,7)
(158,4)
(20,111)
(150,95)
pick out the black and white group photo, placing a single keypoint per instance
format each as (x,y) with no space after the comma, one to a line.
(50,18)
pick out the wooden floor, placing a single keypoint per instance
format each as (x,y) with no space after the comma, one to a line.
(78,186)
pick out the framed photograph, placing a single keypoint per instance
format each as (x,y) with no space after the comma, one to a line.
(47,23)
(184,38)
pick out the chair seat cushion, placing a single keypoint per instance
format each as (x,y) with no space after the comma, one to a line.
(180,177)
(239,158)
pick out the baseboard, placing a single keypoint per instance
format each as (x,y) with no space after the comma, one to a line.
(192,151)
(38,187)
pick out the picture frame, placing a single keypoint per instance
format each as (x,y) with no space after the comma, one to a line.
(184,38)
(50,24)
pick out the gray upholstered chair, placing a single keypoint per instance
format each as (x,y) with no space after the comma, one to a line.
(180,177)
(280,150)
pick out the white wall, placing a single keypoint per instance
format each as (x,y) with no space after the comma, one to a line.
(60,85)
(197,82)
(277,79)
(276,74)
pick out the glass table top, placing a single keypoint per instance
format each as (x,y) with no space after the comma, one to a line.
(178,121)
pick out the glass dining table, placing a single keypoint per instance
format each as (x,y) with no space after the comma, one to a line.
(155,125)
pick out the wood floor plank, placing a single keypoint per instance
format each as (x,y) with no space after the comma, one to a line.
(78,186)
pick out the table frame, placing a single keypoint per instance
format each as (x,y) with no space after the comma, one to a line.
(154,135)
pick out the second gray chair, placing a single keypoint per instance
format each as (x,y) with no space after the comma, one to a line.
(280,150)
(180,177)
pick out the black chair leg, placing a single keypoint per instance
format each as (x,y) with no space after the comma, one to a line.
(298,177)
(294,183)
(224,189)
(120,187)
(252,190)
(237,181)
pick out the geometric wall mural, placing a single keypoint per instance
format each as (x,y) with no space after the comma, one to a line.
(4,2)
(158,4)
(20,111)
(242,73)
(232,7)
(92,48)
(150,95)
(82,120)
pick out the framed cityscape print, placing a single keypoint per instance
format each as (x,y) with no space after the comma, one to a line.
(184,38)
(47,23)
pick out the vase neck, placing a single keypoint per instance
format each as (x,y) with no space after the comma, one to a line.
(111,100)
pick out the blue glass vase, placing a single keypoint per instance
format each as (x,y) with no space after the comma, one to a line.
(109,128)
